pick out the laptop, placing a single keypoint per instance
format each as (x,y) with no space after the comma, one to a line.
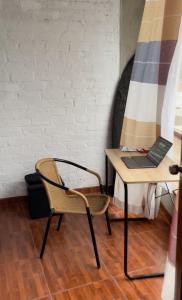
(152,159)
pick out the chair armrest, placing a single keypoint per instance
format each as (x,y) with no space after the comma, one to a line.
(84,198)
(98,177)
(83,168)
(63,187)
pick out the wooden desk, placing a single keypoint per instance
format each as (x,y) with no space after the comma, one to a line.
(133,176)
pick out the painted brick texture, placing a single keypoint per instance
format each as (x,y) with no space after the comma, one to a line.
(59,65)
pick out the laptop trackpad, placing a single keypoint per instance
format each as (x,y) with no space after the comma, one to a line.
(138,162)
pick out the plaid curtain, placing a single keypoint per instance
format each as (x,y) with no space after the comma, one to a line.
(155,49)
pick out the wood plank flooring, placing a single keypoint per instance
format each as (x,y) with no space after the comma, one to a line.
(68,269)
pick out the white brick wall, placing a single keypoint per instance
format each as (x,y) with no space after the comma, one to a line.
(59,64)
(131,15)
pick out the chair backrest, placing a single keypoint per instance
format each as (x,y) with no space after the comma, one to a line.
(48,168)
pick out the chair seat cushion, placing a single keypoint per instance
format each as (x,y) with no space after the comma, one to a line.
(71,204)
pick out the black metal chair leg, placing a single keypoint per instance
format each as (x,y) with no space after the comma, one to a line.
(45,236)
(93,237)
(59,221)
(108,223)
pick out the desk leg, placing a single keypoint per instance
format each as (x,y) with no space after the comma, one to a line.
(126,231)
(141,276)
(106,174)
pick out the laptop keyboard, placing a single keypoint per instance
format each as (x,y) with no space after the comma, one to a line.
(138,162)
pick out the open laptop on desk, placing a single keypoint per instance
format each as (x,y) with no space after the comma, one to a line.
(152,159)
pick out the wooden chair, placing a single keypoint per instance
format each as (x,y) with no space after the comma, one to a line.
(75,202)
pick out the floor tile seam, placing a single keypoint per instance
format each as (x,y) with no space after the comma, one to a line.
(121,291)
(114,278)
(70,289)
(43,273)
(115,281)
(118,286)
(140,269)
(133,270)
(144,268)
(40,298)
(79,286)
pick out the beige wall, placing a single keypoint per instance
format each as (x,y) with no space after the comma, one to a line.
(131,14)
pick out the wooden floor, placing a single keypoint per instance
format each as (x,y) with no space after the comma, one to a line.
(68,270)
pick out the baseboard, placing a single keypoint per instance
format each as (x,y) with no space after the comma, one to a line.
(88,190)
(13,199)
(85,190)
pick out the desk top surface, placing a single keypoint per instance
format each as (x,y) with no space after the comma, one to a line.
(146,175)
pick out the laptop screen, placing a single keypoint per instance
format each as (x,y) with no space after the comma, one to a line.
(159,150)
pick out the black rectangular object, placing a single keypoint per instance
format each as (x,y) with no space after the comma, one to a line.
(37,198)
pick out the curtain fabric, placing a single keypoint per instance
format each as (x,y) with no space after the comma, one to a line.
(172,91)
(154,52)
(150,107)
(142,198)
(180,80)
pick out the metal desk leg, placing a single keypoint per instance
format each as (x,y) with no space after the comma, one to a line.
(142,276)
(106,174)
(126,231)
